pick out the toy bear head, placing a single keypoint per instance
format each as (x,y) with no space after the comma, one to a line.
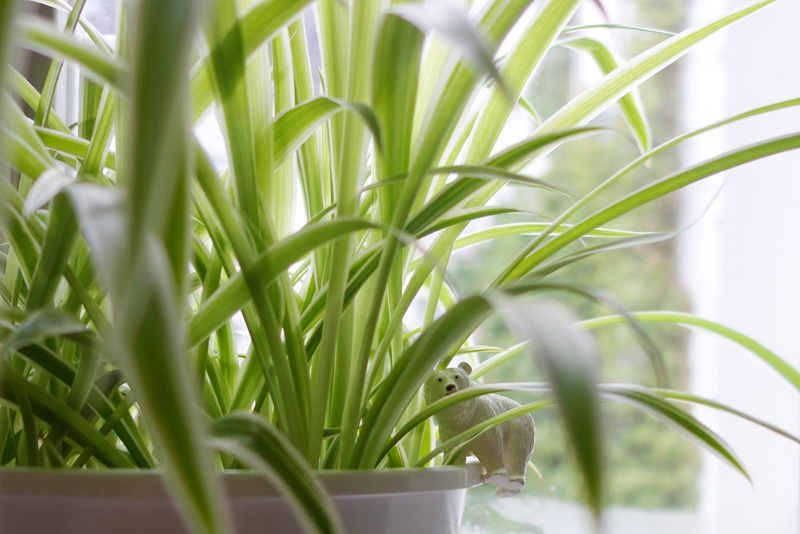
(443,382)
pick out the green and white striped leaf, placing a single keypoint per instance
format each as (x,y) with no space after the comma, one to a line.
(255,442)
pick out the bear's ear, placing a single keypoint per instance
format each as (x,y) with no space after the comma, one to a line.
(466,367)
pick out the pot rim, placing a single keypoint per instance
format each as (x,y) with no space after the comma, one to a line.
(143,484)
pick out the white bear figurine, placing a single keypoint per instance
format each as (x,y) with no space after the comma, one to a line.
(504,450)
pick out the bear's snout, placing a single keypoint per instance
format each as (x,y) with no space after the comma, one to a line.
(450,387)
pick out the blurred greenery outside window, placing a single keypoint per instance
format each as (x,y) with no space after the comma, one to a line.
(650,466)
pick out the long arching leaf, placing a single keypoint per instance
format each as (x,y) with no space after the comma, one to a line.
(102,65)
(783,368)
(255,442)
(680,396)
(630,103)
(659,189)
(677,418)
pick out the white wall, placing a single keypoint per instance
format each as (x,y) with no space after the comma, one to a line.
(742,266)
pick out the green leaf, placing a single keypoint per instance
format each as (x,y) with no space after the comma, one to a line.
(68,144)
(44,37)
(45,324)
(30,96)
(457,191)
(466,215)
(679,419)
(8,10)
(529,109)
(495,173)
(657,190)
(618,244)
(265,18)
(22,156)
(59,239)
(30,455)
(450,21)
(656,359)
(630,103)
(44,189)
(783,368)
(497,360)
(573,29)
(97,153)
(570,364)
(94,34)
(252,440)
(339,372)
(295,125)
(256,27)
(593,101)
(91,93)
(49,90)
(18,125)
(157,144)
(99,212)
(522,61)
(694,399)
(514,229)
(396,70)
(370,120)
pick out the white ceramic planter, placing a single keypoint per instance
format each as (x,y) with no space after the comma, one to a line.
(132,502)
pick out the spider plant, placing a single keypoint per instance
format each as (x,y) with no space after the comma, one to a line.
(131,253)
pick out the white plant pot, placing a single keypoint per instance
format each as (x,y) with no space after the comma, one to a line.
(397,501)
